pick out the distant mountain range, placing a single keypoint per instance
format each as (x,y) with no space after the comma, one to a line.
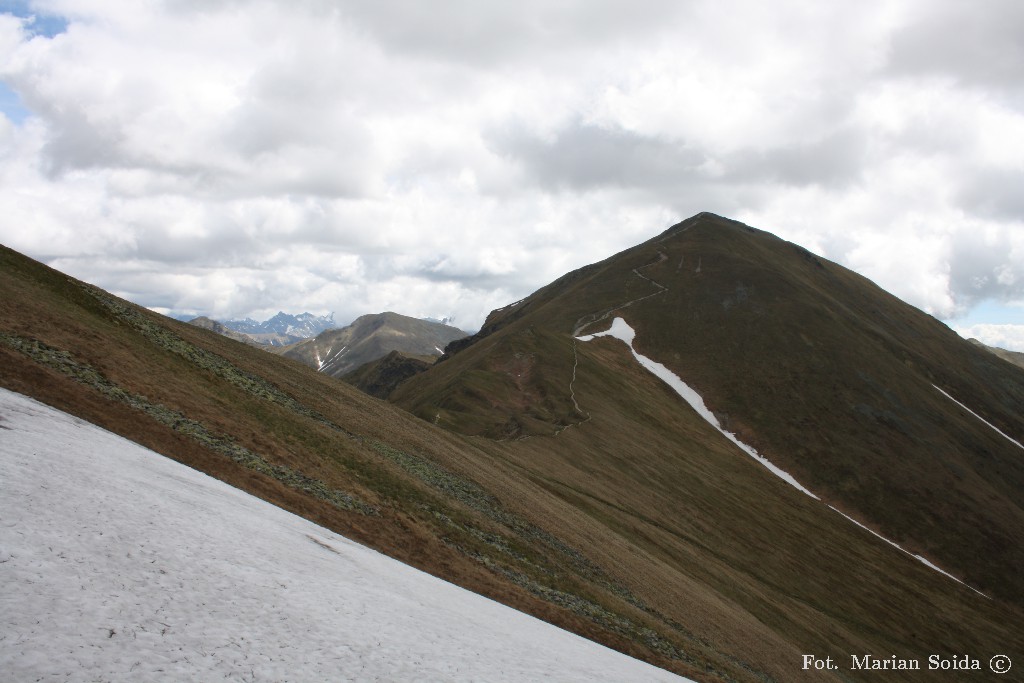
(282,329)
(397,346)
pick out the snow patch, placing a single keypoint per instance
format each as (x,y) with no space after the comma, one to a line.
(120,564)
(620,329)
(992,426)
(331,360)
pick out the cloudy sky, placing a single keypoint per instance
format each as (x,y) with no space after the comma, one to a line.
(239,157)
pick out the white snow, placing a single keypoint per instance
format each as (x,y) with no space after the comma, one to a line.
(119,564)
(620,329)
(439,350)
(1008,438)
(330,360)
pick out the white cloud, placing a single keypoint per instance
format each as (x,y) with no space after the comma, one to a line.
(237,157)
(1009,337)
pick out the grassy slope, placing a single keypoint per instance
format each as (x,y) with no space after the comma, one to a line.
(639,527)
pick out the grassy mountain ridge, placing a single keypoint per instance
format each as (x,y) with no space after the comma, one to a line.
(638,525)
(825,373)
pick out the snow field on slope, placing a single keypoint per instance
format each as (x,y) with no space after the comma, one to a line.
(119,564)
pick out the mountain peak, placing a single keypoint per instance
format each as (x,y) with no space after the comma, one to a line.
(283,328)
(703,219)
(369,337)
(830,377)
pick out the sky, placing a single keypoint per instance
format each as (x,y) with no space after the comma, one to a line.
(235,158)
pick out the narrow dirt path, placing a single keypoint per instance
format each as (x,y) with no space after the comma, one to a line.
(592,318)
(598,316)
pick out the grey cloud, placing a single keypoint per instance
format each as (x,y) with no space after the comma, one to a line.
(834,161)
(176,248)
(585,157)
(487,33)
(440,269)
(77,142)
(997,194)
(983,268)
(976,43)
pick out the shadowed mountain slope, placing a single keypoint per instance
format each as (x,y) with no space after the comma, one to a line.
(834,380)
(371,337)
(380,377)
(639,526)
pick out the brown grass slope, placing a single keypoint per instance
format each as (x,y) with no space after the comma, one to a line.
(638,526)
(371,337)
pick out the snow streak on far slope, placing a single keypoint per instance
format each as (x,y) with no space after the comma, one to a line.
(330,360)
(924,560)
(1008,438)
(620,329)
(120,564)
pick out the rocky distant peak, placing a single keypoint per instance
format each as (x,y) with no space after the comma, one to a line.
(284,328)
